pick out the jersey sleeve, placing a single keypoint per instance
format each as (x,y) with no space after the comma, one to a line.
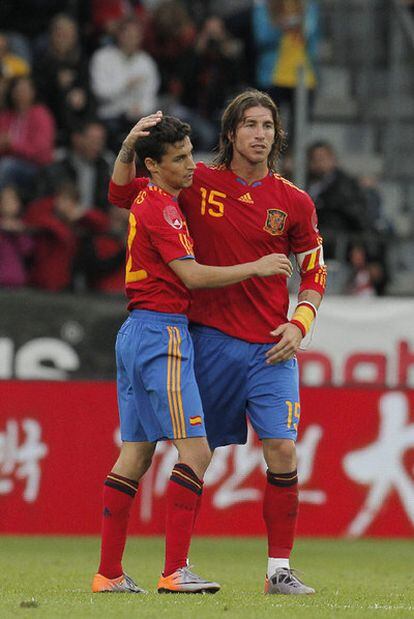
(168,232)
(306,244)
(124,195)
(304,233)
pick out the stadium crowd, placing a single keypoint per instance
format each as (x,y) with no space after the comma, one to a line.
(75,76)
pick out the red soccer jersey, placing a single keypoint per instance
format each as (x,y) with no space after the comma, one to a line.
(157,234)
(233,222)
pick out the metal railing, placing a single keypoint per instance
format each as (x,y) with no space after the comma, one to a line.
(301,129)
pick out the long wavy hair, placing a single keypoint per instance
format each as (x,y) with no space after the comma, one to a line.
(232,117)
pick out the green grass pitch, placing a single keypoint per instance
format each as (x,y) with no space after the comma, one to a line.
(49,577)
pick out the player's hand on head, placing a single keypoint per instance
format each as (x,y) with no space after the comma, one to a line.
(142,127)
(290,339)
(274,264)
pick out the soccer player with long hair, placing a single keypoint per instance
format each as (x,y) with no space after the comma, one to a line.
(237,209)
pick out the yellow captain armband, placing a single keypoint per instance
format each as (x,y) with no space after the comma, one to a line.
(303,316)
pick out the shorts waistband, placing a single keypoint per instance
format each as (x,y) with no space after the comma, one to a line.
(211,331)
(151,316)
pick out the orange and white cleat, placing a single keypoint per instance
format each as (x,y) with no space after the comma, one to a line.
(185,581)
(122,584)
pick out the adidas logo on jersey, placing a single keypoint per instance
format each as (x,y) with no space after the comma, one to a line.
(246,198)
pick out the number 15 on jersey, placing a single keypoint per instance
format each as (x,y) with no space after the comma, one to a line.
(211,203)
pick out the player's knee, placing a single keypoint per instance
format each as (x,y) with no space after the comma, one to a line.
(204,458)
(143,463)
(133,462)
(280,455)
(195,454)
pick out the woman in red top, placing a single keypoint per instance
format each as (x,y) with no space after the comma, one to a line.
(27,135)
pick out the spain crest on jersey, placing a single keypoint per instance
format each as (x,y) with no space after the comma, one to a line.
(275,221)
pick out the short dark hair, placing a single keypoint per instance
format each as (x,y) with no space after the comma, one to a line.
(231,118)
(83,124)
(168,131)
(320,144)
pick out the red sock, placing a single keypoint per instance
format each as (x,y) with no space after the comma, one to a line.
(183,492)
(280,511)
(118,496)
(197,510)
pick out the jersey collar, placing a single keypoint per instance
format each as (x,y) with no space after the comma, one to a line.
(243,182)
(153,187)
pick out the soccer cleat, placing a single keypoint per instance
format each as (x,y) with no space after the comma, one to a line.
(122,584)
(185,581)
(284,581)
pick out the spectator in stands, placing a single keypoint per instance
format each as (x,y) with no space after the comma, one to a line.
(27,134)
(339,199)
(4,89)
(86,163)
(52,222)
(106,15)
(15,242)
(375,212)
(62,75)
(11,65)
(286,38)
(57,223)
(101,257)
(238,19)
(367,276)
(287,164)
(125,80)
(218,61)
(171,39)
(32,18)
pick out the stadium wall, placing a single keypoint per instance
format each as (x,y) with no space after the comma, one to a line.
(57,423)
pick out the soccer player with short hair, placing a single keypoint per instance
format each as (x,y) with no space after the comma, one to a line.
(158,396)
(245,362)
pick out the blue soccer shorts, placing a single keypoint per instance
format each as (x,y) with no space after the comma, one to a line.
(158,397)
(235,383)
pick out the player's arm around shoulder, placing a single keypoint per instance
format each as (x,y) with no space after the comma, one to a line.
(195,275)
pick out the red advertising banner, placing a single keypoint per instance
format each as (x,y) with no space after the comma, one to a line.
(355,450)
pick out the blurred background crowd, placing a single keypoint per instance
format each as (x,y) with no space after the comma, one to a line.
(76,74)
